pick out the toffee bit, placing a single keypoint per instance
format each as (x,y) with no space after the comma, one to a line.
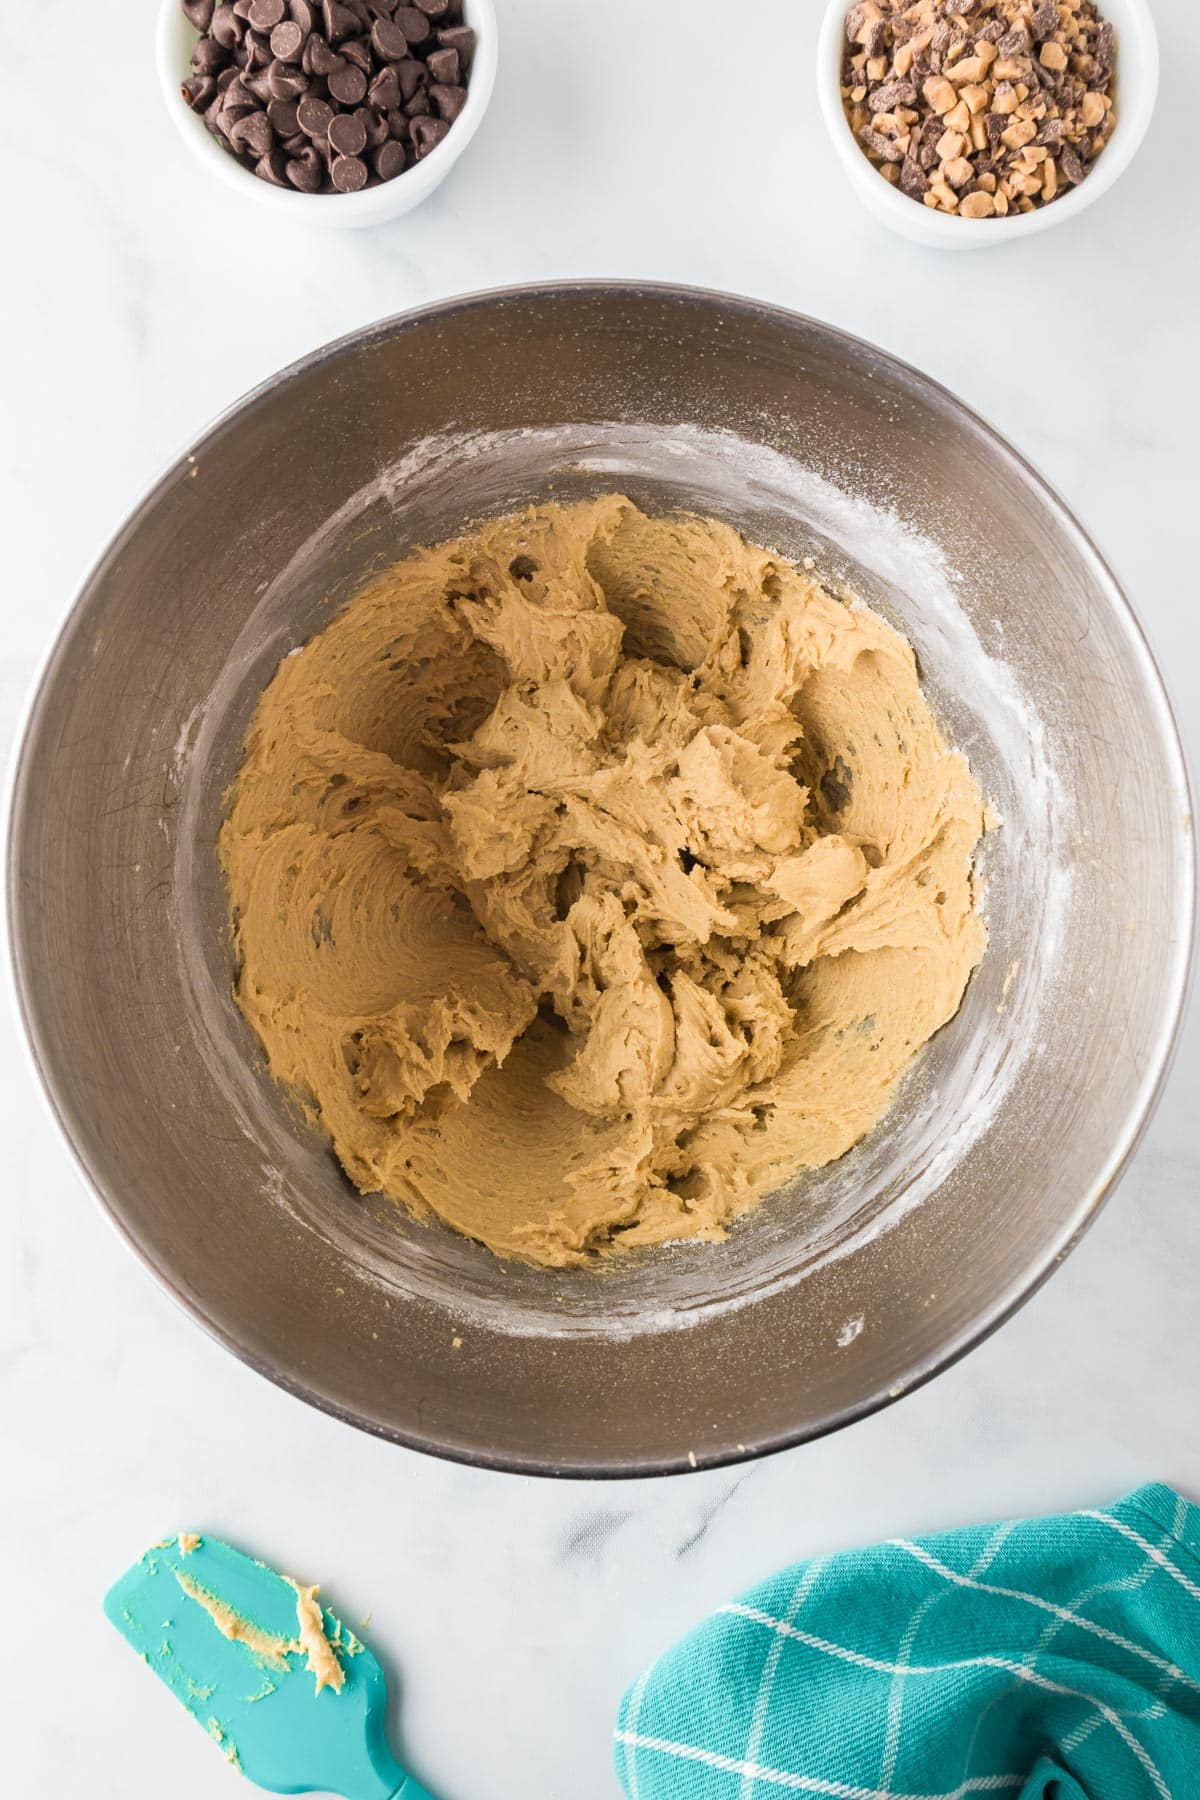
(978,109)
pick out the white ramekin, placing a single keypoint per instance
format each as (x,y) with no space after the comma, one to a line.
(371,206)
(1137,88)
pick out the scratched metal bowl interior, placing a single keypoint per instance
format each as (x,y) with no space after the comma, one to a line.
(851,1284)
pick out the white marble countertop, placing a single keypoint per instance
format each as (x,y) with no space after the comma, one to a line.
(141,298)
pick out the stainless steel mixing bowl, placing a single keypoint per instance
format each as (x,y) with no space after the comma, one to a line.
(860,1280)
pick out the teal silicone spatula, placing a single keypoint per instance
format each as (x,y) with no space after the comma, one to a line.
(285,1689)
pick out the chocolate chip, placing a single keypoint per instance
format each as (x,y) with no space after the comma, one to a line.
(284,83)
(208,57)
(348,174)
(347,134)
(348,84)
(287,41)
(411,75)
(375,125)
(384,91)
(314,116)
(413,24)
(282,114)
(449,100)
(388,160)
(273,168)
(443,66)
(837,785)
(427,134)
(1105,46)
(307,171)
(339,21)
(237,93)
(344,105)
(320,58)
(253,134)
(199,92)
(257,51)
(227,28)
(388,41)
(460,38)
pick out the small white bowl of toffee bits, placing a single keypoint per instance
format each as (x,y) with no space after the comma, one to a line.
(346,111)
(964,123)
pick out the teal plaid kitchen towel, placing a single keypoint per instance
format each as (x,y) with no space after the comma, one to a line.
(1044,1659)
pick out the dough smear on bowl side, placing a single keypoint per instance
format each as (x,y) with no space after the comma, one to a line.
(593,874)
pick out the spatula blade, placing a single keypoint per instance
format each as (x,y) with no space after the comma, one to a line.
(254,1692)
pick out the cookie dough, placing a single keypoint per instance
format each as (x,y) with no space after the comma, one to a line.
(269,1648)
(593,874)
(318,1651)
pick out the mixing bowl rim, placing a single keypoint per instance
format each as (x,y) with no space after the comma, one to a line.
(1009,1300)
